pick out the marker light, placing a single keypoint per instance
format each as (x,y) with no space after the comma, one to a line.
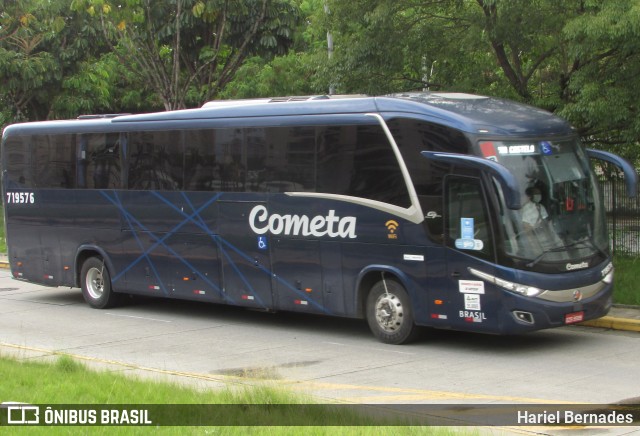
(528,291)
(607,274)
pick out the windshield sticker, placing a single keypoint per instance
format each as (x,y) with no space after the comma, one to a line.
(467,225)
(546,148)
(489,151)
(467,241)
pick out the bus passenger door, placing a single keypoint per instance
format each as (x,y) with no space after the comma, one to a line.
(473,304)
(245,256)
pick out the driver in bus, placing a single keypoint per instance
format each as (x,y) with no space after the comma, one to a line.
(534,214)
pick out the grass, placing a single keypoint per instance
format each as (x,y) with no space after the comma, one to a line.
(69,382)
(626,289)
(3,239)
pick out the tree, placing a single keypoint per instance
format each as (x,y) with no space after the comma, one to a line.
(187,51)
(603,78)
(26,67)
(14,16)
(288,75)
(297,72)
(50,45)
(578,58)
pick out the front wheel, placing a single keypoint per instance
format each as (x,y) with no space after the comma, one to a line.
(389,313)
(96,284)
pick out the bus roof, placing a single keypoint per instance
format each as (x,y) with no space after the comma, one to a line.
(470,113)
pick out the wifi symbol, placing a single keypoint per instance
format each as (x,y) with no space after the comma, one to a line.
(391,225)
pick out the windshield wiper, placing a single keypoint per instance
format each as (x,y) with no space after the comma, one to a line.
(544,253)
(587,241)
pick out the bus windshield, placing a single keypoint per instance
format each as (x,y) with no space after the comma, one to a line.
(562,216)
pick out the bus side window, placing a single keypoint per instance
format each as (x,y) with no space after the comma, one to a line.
(152,156)
(53,161)
(468,228)
(99,161)
(357,160)
(414,136)
(17,156)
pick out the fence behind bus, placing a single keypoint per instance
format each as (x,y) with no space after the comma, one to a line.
(623,216)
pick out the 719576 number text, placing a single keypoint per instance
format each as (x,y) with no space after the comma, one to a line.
(20,198)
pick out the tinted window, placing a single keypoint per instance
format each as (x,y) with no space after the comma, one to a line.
(231,160)
(99,161)
(53,160)
(17,162)
(359,161)
(156,160)
(414,136)
(290,159)
(200,165)
(468,227)
(346,160)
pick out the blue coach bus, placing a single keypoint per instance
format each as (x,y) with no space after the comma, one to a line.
(445,210)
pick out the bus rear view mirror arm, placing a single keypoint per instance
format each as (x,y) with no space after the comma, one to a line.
(630,175)
(506,179)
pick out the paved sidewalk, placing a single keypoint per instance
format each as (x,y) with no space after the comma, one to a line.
(620,317)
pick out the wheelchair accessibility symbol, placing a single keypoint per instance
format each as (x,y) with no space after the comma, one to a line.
(262,242)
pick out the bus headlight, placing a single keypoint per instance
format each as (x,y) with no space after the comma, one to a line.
(528,291)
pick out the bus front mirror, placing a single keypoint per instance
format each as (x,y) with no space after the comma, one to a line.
(630,175)
(506,179)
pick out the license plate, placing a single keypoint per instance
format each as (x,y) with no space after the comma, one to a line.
(572,318)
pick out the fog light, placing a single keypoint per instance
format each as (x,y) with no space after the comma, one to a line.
(525,317)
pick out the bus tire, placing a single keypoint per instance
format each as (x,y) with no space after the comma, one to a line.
(389,313)
(95,282)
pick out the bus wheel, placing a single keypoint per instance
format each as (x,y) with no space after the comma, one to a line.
(389,313)
(96,284)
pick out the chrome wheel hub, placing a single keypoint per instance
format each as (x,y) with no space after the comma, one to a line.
(389,312)
(95,283)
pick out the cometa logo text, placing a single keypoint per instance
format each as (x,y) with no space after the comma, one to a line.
(261,222)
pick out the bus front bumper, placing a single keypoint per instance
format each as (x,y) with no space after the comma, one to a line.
(524,314)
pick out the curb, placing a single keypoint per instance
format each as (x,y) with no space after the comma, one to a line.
(610,322)
(606,322)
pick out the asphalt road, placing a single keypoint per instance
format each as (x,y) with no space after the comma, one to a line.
(330,358)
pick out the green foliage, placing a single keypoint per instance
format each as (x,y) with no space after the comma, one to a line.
(625,290)
(3,238)
(39,55)
(580,59)
(293,74)
(187,51)
(576,58)
(603,91)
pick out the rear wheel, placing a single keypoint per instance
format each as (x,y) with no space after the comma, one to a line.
(95,281)
(389,313)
